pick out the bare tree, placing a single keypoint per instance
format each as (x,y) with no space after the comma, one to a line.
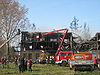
(86,34)
(75,27)
(12,18)
(74,24)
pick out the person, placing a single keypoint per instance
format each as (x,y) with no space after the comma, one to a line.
(95,62)
(4,62)
(52,60)
(25,64)
(30,64)
(21,64)
(98,62)
(16,61)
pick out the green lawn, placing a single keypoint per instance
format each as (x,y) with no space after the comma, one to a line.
(44,69)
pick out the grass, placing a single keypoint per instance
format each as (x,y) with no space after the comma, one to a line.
(44,69)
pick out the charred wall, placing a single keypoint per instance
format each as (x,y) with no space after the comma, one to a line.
(49,43)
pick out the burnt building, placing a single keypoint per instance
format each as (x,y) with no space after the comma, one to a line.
(94,43)
(33,43)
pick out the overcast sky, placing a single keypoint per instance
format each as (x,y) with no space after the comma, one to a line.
(57,14)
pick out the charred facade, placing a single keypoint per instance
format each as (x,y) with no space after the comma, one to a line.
(95,44)
(49,43)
